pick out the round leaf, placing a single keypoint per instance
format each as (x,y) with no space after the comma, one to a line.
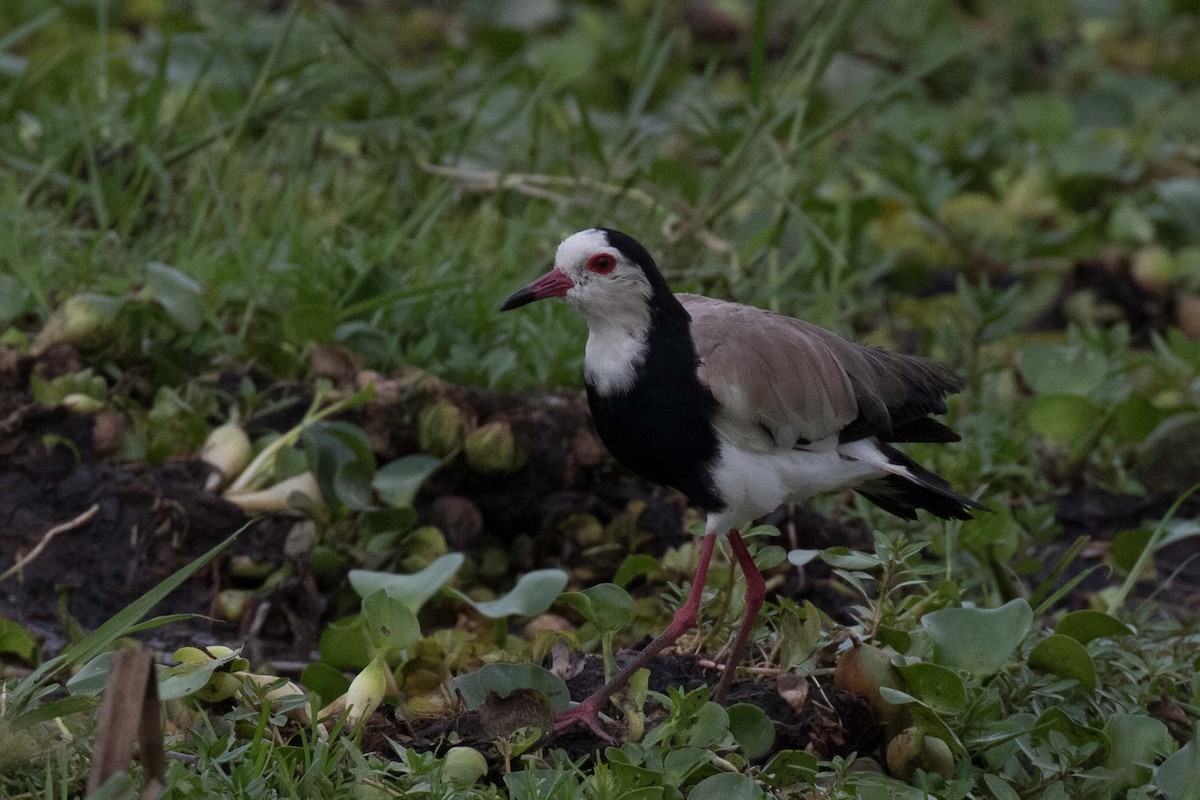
(1062,368)
(1062,416)
(611,605)
(726,786)
(753,730)
(389,622)
(1066,658)
(939,688)
(1085,625)
(412,590)
(397,483)
(503,679)
(532,595)
(978,641)
(344,643)
(326,682)
(1176,777)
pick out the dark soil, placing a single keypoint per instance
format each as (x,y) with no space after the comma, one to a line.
(832,723)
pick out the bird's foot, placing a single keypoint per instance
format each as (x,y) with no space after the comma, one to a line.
(586,713)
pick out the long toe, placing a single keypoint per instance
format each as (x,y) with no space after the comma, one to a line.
(585,713)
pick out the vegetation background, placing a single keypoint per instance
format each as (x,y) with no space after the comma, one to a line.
(217,211)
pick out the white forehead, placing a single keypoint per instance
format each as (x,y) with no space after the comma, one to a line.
(578,246)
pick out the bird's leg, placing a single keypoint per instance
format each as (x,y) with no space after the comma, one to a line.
(586,713)
(756,592)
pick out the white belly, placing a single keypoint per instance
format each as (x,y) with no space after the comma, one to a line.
(754,483)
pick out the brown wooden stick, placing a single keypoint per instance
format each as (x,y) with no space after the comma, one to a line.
(47,537)
(129,715)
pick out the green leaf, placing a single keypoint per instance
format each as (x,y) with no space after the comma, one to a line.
(726,786)
(324,681)
(1066,369)
(936,686)
(607,606)
(180,296)
(753,730)
(412,590)
(389,622)
(345,644)
(119,625)
(1000,788)
(635,566)
(16,639)
(504,679)
(340,456)
(978,641)
(1085,625)
(532,595)
(789,768)
(309,322)
(801,557)
(397,483)
(1066,658)
(1135,741)
(1176,777)
(1061,416)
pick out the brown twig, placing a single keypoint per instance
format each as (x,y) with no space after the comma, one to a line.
(29,557)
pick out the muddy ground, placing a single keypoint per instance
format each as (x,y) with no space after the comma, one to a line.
(151,520)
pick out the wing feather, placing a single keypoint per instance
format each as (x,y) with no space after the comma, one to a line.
(781,382)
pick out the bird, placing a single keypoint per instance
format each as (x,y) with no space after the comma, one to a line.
(740,409)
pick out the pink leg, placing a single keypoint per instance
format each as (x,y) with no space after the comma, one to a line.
(756,592)
(586,712)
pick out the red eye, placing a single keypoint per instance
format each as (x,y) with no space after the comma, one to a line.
(602,263)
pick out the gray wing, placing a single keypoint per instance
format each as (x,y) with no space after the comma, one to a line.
(781,382)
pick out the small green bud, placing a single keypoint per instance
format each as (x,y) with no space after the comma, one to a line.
(464,766)
(440,429)
(493,449)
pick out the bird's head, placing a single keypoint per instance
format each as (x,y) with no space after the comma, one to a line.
(601,272)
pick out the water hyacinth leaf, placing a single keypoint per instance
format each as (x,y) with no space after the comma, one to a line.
(1176,777)
(1086,624)
(397,483)
(1061,416)
(180,296)
(801,557)
(681,762)
(324,681)
(389,622)
(752,728)
(726,786)
(1065,657)
(340,456)
(1127,547)
(1062,369)
(532,595)
(1135,741)
(607,606)
(504,679)
(344,643)
(412,590)
(15,639)
(636,566)
(788,768)
(1055,719)
(978,641)
(936,686)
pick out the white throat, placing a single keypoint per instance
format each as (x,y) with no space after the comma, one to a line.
(616,346)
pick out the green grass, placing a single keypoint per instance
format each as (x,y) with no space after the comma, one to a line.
(926,175)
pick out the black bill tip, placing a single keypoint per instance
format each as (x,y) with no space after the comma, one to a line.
(521,297)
